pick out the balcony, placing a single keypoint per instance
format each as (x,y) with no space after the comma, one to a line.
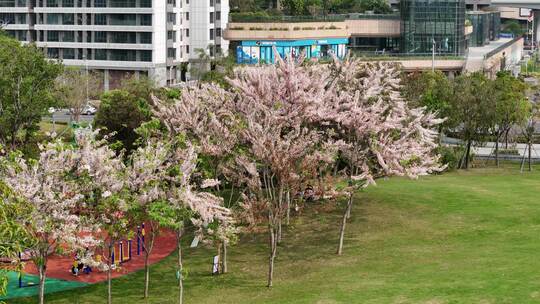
(285,31)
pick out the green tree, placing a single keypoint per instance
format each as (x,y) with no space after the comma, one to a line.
(432,90)
(123,111)
(472,105)
(14,238)
(26,80)
(511,107)
(74,88)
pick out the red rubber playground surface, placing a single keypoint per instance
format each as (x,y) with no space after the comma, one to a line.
(59,267)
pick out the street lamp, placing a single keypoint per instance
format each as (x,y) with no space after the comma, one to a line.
(51,111)
(434,44)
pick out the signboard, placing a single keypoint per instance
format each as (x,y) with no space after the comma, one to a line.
(215,265)
(525,12)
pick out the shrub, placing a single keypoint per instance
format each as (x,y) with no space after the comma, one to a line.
(450,156)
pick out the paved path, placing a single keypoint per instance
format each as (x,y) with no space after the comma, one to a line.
(475,58)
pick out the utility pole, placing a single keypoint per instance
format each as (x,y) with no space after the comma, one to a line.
(433,55)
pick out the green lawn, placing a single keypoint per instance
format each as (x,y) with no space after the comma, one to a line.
(466,237)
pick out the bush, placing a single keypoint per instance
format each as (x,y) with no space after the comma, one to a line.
(450,156)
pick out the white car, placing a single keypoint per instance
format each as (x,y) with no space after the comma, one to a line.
(88,110)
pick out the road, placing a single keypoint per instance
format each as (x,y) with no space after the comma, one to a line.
(63,116)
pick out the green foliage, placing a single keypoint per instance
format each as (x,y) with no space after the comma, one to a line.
(26,82)
(14,238)
(432,90)
(450,156)
(514,27)
(121,112)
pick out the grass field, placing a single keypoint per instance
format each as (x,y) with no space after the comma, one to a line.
(465,237)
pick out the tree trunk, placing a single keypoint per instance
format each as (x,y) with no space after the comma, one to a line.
(42,276)
(109,274)
(279,215)
(179,267)
(497,149)
(530,147)
(288,207)
(224,260)
(467,154)
(506,138)
(273,250)
(344,223)
(147,251)
(109,285)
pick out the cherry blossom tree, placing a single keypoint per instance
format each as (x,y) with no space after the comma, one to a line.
(378,134)
(47,185)
(278,106)
(185,202)
(204,116)
(101,178)
(146,182)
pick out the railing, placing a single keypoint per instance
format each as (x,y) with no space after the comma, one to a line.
(379,55)
(502,47)
(263,17)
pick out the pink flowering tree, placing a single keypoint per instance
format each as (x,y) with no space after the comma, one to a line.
(378,134)
(147,173)
(48,186)
(101,178)
(278,107)
(185,202)
(204,116)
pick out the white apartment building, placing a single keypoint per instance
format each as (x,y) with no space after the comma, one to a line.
(120,38)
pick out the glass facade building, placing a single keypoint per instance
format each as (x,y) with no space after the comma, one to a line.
(486,27)
(425,23)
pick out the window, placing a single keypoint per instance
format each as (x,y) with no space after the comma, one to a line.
(52,3)
(211,34)
(145,55)
(171,53)
(52,52)
(146,3)
(100,54)
(68,37)
(122,55)
(52,36)
(171,35)
(171,17)
(68,53)
(218,32)
(123,19)
(146,38)
(218,15)
(53,18)
(146,19)
(100,3)
(67,19)
(123,37)
(100,36)
(68,3)
(211,17)
(100,19)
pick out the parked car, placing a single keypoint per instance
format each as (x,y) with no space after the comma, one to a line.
(89,110)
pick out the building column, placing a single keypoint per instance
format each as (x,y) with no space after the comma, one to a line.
(105,80)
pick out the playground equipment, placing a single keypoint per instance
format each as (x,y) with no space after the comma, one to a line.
(140,238)
(121,251)
(21,282)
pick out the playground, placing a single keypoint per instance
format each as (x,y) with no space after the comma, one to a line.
(128,256)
